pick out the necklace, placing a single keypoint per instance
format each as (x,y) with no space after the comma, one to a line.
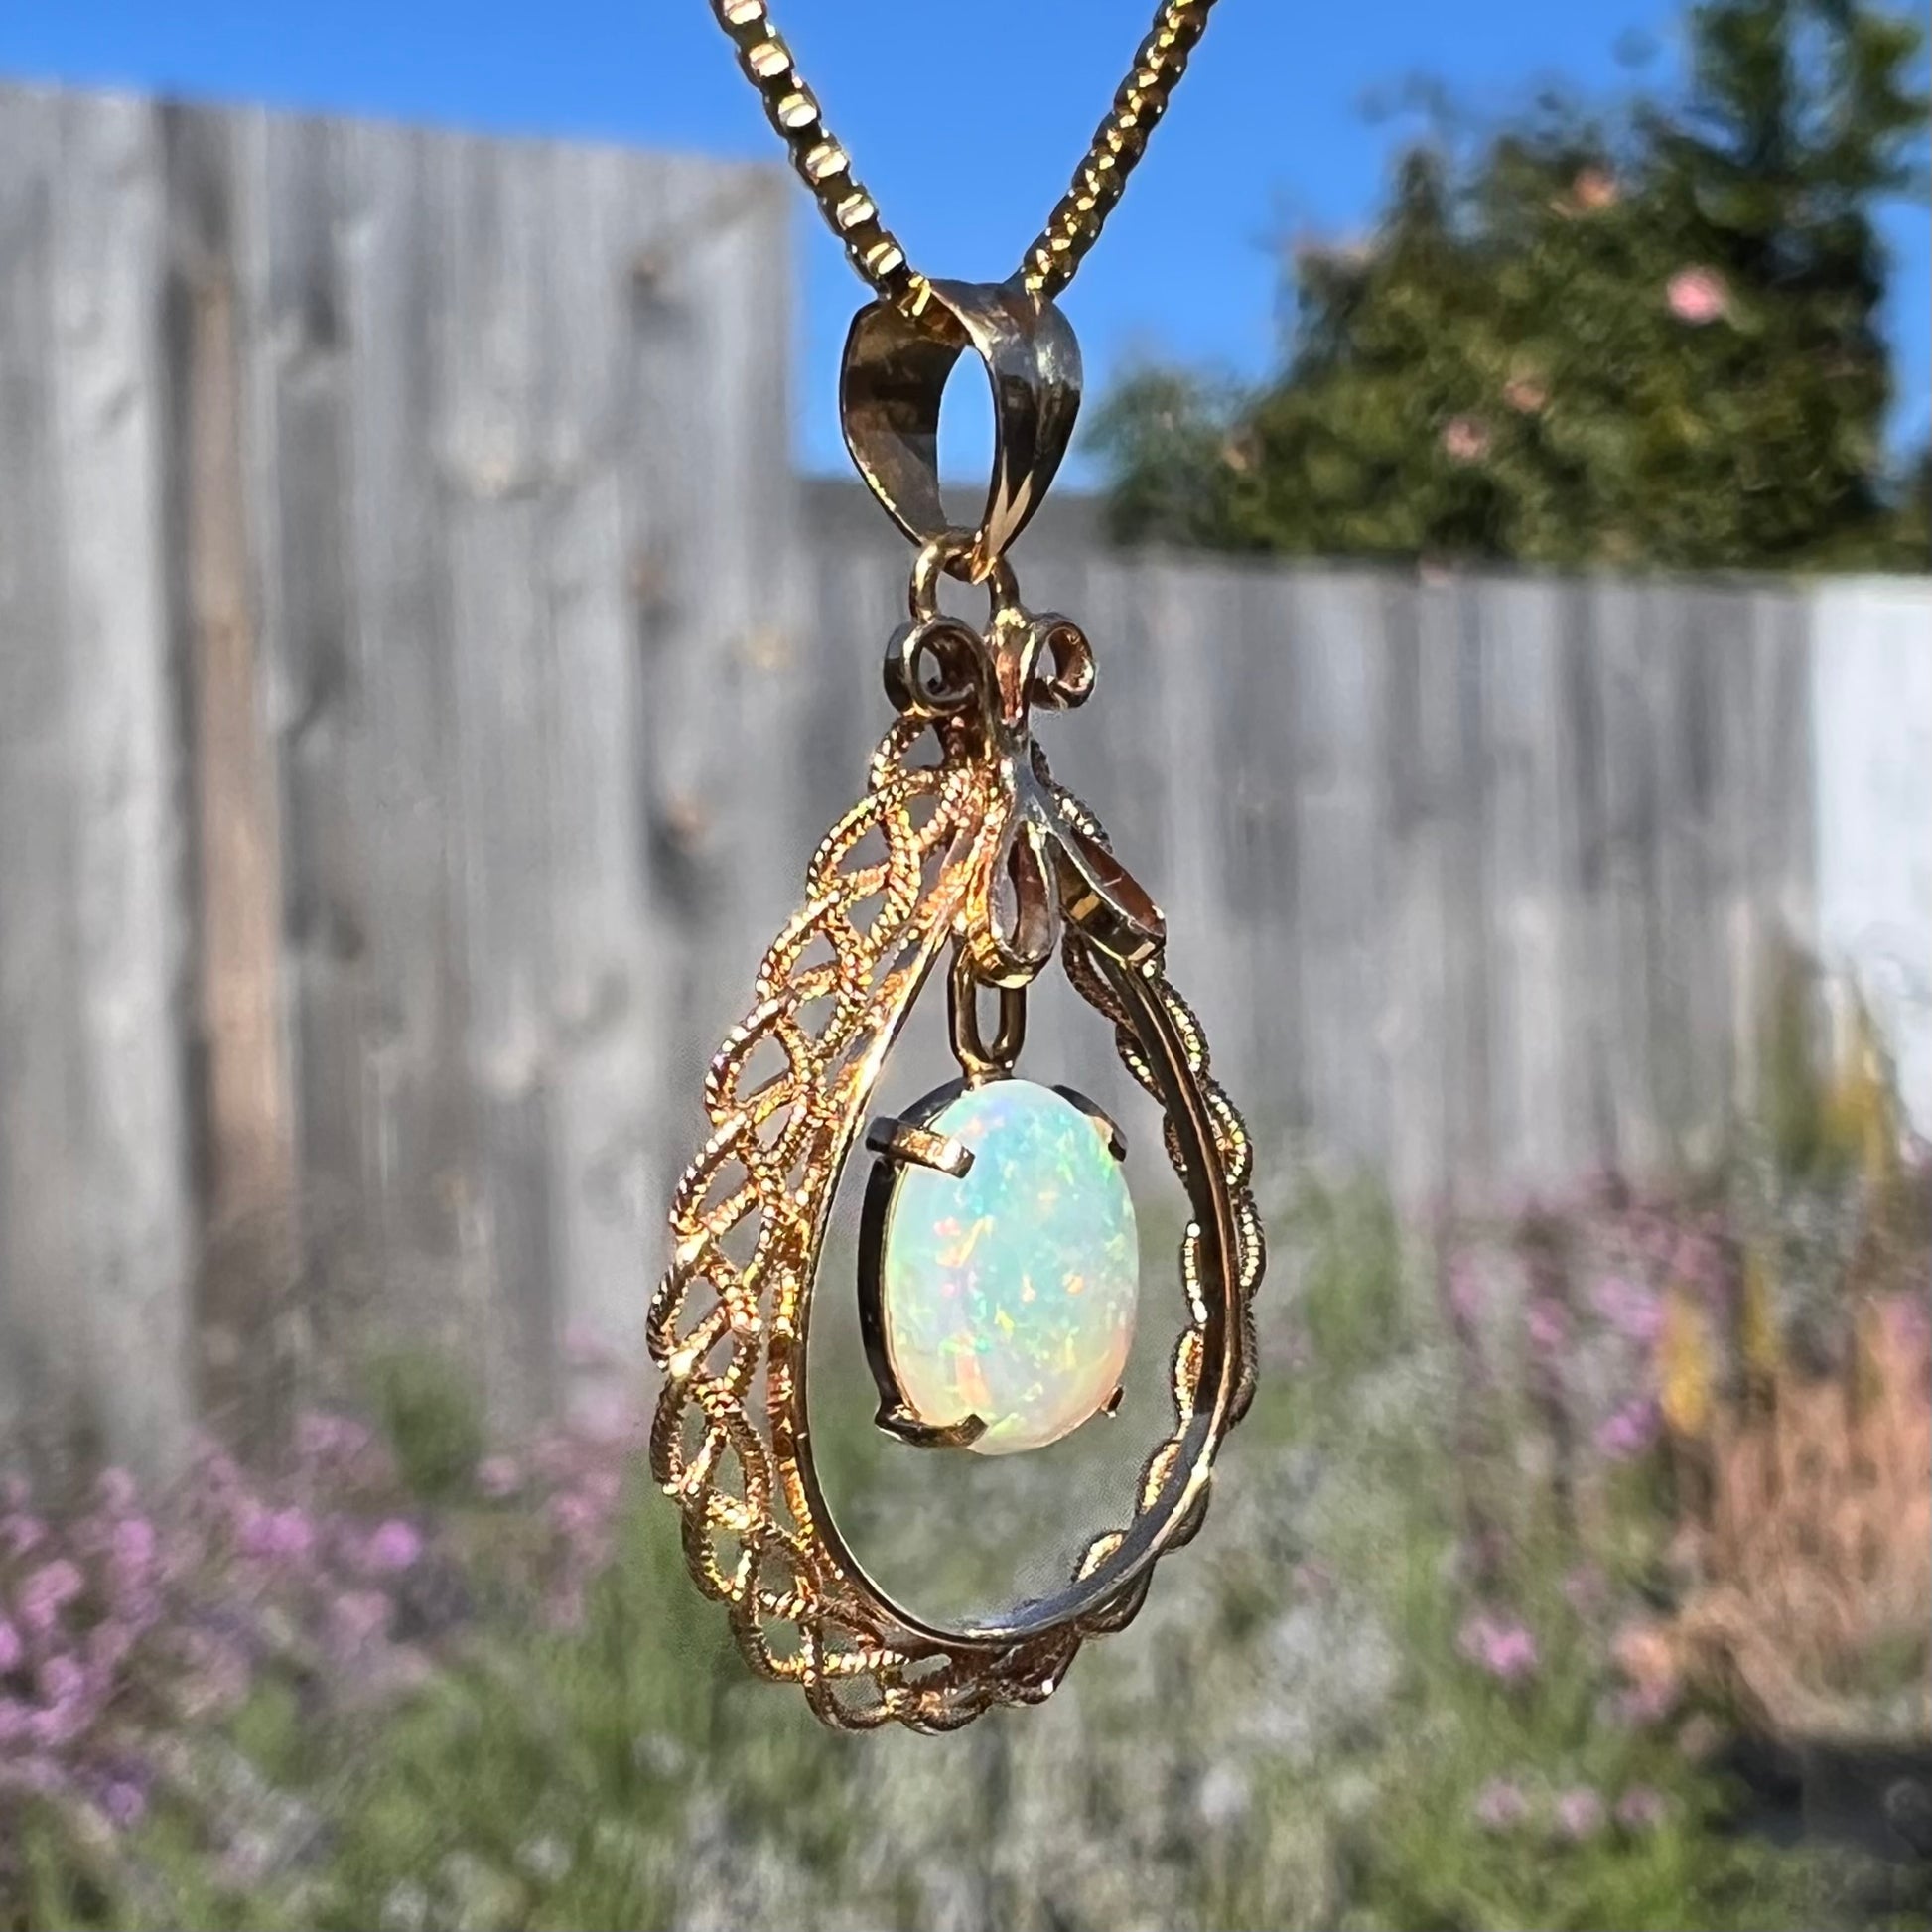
(998,1269)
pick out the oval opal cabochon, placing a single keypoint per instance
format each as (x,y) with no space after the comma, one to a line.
(1008,1292)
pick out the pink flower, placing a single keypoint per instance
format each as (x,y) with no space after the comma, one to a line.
(1502,1646)
(1698,295)
(1630,1431)
(1549,1325)
(498,1476)
(1464,439)
(45,1593)
(1500,1805)
(12,1651)
(1632,1309)
(1641,1809)
(1593,190)
(1579,1814)
(393,1547)
(1526,395)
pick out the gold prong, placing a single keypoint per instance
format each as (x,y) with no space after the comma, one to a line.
(1110,1132)
(899,1140)
(1111,1407)
(898,1420)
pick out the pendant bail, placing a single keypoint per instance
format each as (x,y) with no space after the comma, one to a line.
(893,378)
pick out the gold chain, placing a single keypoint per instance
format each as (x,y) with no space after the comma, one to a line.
(1074,224)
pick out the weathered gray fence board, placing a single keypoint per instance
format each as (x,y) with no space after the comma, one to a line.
(422,683)
(94,1203)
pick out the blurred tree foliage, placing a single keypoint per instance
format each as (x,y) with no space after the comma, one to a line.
(1647,335)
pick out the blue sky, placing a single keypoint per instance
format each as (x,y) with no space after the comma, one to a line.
(1266,140)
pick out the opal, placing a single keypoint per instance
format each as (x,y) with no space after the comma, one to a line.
(1008,1292)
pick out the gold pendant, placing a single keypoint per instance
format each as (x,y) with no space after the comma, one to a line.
(963,846)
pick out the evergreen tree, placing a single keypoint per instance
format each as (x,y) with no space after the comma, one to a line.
(1648,337)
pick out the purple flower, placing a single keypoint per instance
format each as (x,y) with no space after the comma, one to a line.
(1634,1310)
(393,1547)
(1579,1814)
(1502,1646)
(1641,1809)
(1500,1805)
(291,1534)
(47,1593)
(134,1545)
(125,1801)
(1630,1431)
(12,1651)
(61,1679)
(1549,1325)
(14,1717)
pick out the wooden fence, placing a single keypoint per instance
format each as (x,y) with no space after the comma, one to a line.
(422,682)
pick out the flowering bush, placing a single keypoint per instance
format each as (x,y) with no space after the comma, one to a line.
(1431,1647)
(132,1626)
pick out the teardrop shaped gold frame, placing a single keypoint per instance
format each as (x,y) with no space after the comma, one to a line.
(730,1441)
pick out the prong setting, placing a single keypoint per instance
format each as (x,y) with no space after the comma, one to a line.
(898,1420)
(905,1140)
(1109,1129)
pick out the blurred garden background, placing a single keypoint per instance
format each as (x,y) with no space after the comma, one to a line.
(422,678)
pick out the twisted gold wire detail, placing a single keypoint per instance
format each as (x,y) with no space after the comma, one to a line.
(730,1443)
(1074,225)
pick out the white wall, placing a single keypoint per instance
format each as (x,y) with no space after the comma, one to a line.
(1871,713)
